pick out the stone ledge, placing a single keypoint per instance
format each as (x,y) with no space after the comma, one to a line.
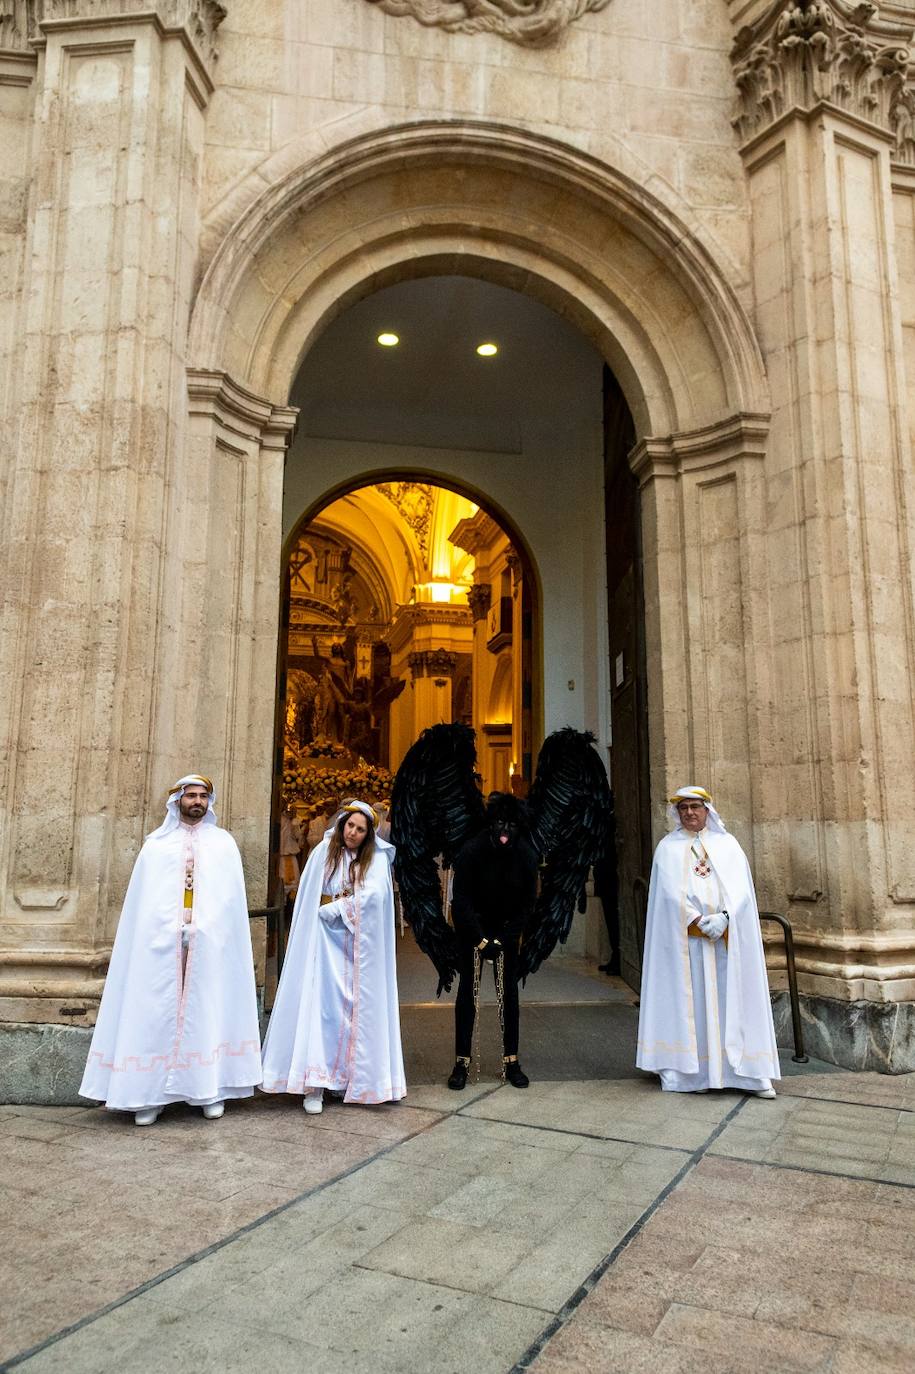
(879,1036)
(43,1065)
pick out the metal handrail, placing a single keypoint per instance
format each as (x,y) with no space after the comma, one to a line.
(799,1057)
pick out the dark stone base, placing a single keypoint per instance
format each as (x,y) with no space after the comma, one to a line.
(856,1035)
(43,1065)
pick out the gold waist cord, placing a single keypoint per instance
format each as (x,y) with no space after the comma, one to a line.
(499,966)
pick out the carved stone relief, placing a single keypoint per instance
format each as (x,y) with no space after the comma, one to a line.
(432,663)
(14,24)
(532,23)
(413,501)
(21,20)
(478,598)
(825,50)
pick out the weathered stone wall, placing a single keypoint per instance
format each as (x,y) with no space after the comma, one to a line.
(643,87)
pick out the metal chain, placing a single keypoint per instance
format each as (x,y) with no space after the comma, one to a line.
(477,971)
(500,998)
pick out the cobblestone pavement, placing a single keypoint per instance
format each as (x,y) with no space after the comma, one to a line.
(578,1226)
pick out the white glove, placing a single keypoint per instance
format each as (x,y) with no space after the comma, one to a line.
(332,912)
(714,925)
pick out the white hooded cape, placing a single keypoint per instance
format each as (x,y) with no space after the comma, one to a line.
(667,1023)
(336,1019)
(160,1038)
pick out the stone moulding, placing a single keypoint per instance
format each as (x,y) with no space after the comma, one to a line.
(22,21)
(533,24)
(826,52)
(739,436)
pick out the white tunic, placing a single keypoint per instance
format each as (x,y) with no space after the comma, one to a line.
(173,1028)
(705,1017)
(336,1020)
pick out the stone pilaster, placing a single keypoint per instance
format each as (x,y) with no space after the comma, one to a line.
(824,111)
(116,141)
(703,522)
(218,651)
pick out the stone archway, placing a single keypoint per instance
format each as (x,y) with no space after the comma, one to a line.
(602,252)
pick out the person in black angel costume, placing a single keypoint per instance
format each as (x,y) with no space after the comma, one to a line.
(498,911)
(492,903)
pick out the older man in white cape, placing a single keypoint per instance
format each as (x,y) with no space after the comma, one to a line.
(705,1018)
(178,1020)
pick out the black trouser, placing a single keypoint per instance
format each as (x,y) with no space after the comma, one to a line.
(463,1006)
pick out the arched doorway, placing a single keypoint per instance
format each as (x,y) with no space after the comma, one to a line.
(630,276)
(426,600)
(405,604)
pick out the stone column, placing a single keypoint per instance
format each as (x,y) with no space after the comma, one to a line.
(824,112)
(89,520)
(425,639)
(432,671)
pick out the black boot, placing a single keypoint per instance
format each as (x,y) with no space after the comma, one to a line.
(458,1077)
(515,1074)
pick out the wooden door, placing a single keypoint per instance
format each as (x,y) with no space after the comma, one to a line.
(628,697)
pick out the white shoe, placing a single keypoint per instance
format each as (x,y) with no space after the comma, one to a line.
(148,1117)
(313,1101)
(214,1110)
(765,1092)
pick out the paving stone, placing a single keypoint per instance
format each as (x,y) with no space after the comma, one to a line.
(621,1110)
(869,1089)
(834,1137)
(769,1344)
(449,1253)
(583,1348)
(447,1240)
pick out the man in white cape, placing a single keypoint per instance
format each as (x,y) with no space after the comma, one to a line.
(178,1019)
(705,1017)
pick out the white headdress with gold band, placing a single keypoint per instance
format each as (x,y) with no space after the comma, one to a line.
(173,808)
(714,821)
(353,804)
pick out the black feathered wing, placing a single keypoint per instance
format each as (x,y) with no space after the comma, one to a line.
(435,807)
(571,812)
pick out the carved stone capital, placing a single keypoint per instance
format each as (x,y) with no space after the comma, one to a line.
(534,24)
(810,52)
(478,597)
(14,24)
(23,21)
(432,663)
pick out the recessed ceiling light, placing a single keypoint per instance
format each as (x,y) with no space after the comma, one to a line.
(487,350)
(388,340)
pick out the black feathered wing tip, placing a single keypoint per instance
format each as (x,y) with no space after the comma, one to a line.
(435,807)
(571,814)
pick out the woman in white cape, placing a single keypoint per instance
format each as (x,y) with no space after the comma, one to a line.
(336,1020)
(705,1017)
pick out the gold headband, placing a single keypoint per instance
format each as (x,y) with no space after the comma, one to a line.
(197,777)
(358,811)
(700,794)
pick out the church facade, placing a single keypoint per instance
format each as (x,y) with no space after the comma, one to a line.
(717,197)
